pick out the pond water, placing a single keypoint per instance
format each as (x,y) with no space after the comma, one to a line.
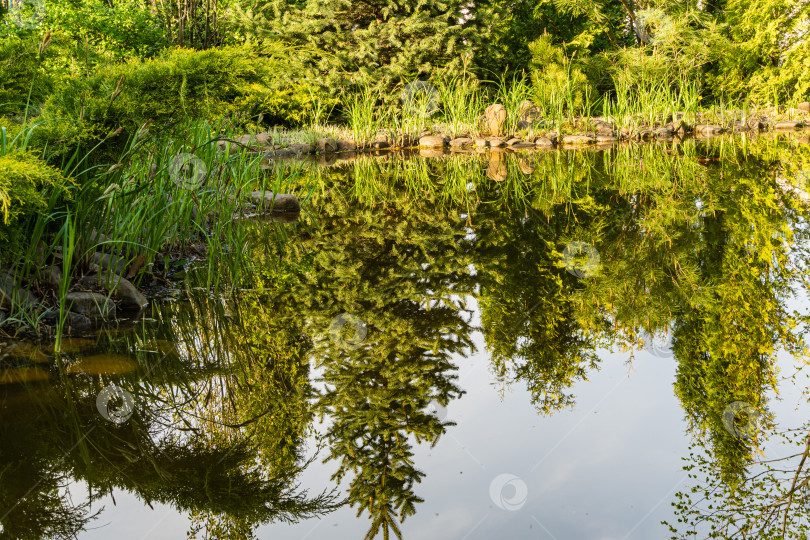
(549,345)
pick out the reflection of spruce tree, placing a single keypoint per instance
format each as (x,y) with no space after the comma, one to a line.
(528,322)
(728,336)
(397,269)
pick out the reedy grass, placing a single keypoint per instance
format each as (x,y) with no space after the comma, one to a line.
(143,206)
(511,94)
(461,103)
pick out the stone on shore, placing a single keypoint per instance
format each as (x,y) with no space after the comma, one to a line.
(496,117)
(461,142)
(432,141)
(281,202)
(12,292)
(708,129)
(91,305)
(345,145)
(787,125)
(577,139)
(122,290)
(543,142)
(327,145)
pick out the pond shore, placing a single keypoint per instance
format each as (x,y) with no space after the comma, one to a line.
(533,133)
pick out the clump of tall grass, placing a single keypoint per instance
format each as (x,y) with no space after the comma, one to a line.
(167,192)
(651,102)
(461,102)
(512,94)
(361,111)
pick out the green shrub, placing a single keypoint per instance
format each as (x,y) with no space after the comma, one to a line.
(26,183)
(183,83)
(769,52)
(557,79)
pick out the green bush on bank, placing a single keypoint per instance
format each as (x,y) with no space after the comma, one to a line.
(26,183)
(184,83)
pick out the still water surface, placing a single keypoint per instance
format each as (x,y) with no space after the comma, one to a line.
(449,348)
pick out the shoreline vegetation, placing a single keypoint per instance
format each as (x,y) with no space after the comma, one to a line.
(136,137)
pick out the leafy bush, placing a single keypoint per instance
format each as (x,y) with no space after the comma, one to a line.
(26,183)
(184,83)
(558,79)
(770,51)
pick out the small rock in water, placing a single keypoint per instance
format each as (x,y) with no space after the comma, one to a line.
(92,305)
(543,142)
(25,350)
(103,364)
(481,142)
(461,142)
(522,145)
(805,106)
(495,142)
(577,139)
(432,141)
(327,145)
(23,375)
(267,200)
(788,125)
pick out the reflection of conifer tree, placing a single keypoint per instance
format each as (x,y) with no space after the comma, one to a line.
(401,270)
(727,338)
(528,323)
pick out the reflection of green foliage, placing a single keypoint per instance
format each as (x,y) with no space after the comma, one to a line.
(397,268)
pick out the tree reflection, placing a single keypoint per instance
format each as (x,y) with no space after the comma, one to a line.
(701,242)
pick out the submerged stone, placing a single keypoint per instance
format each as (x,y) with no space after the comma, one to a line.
(104,364)
(281,202)
(92,305)
(788,125)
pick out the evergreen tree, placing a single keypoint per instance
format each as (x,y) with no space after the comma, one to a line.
(371,41)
